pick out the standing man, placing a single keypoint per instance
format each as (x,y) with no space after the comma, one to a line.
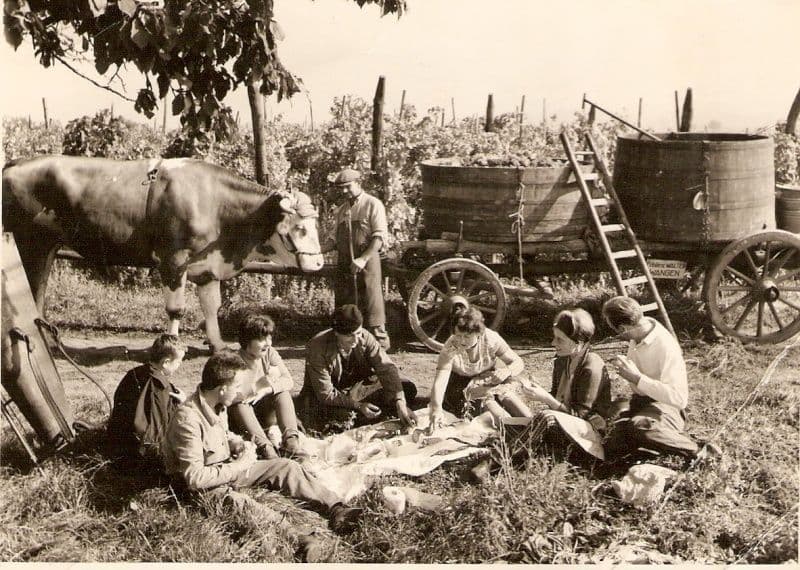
(361,232)
(656,372)
(347,370)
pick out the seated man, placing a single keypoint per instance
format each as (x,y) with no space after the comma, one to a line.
(348,370)
(655,369)
(144,403)
(201,454)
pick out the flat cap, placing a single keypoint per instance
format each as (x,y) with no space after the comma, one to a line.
(347,176)
(347,319)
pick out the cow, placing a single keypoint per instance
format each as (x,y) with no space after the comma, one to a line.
(191,219)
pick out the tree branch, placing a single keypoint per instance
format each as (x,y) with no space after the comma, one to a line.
(92,81)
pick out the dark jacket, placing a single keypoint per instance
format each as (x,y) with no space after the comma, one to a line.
(329,376)
(142,411)
(590,393)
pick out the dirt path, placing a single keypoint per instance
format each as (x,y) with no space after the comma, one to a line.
(108,356)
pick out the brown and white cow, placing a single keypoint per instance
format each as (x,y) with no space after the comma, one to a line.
(192,219)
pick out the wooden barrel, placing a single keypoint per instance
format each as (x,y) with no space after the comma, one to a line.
(787,208)
(696,187)
(483,198)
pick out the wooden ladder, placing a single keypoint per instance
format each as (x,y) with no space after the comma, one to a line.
(632,249)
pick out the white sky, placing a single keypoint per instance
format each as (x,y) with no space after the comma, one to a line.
(741,58)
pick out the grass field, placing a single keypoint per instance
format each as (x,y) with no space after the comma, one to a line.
(743,508)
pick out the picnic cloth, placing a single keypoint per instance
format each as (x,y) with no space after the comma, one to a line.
(349,461)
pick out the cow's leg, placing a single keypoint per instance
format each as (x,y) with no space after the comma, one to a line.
(210,301)
(175,299)
(37,254)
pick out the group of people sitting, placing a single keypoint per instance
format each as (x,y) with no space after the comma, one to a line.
(241,427)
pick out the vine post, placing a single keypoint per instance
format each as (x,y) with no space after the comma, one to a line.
(377,123)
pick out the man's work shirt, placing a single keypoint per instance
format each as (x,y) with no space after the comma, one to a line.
(660,360)
(198,445)
(368,217)
(331,374)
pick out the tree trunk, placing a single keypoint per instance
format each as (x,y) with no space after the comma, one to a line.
(257,114)
(377,123)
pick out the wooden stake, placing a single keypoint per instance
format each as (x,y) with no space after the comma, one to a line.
(377,122)
(402,105)
(544,111)
(488,126)
(521,115)
(453,108)
(44,108)
(794,114)
(677,112)
(442,124)
(686,116)
(30,124)
(639,119)
(311,114)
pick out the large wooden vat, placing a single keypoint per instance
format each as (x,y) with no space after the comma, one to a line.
(483,198)
(787,208)
(696,187)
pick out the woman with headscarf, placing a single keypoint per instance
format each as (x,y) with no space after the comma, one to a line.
(581,386)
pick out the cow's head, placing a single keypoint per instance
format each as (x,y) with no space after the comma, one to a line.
(295,239)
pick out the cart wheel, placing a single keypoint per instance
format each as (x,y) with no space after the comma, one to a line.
(753,288)
(430,299)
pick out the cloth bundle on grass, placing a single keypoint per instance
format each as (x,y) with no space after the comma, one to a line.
(347,461)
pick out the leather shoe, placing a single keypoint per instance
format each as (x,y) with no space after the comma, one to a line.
(344,519)
(292,449)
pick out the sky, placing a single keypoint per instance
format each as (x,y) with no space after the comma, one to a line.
(740,57)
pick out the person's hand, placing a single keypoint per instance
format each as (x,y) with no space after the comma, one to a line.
(369,411)
(626,368)
(178,395)
(236,447)
(536,391)
(246,455)
(436,420)
(407,417)
(357,265)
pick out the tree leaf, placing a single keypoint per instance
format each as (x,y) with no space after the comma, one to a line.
(139,35)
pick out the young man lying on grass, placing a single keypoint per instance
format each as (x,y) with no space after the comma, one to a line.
(201,454)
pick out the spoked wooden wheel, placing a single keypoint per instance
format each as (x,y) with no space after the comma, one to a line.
(431,298)
(753,288)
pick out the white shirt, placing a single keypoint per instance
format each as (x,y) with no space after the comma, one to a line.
(660,360)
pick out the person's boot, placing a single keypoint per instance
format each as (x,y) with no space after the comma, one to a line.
(344,519)
(291,448)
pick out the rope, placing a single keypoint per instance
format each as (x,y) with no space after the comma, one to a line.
(519,220)
(54,333)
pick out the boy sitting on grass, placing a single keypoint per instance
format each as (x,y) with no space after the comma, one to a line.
(201,454)
(144,403)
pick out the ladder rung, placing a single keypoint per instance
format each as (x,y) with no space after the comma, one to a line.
(584,152)
(638,280)
(600,202)
(607,228)
(649,307)
(589,176)
(623,253)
